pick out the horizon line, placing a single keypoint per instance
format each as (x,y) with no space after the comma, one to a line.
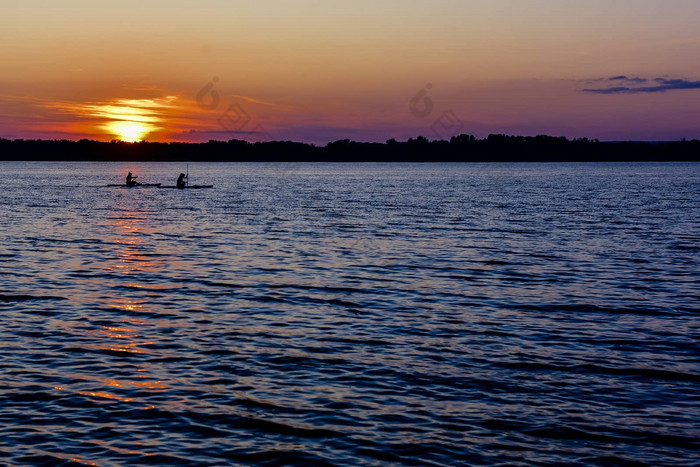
(415,138)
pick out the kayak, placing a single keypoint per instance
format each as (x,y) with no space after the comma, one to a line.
(194,187)
(135,186)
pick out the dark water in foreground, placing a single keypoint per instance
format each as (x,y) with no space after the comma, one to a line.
(365,314)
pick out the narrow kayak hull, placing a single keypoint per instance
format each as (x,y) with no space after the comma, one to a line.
(191,187)
(135,186)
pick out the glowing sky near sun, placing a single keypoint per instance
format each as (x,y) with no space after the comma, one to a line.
(318,71)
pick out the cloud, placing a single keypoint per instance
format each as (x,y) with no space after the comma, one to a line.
(219,132)
(633,85)
(261,102)
(627,80)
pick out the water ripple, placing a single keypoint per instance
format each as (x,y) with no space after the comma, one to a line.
(428,314)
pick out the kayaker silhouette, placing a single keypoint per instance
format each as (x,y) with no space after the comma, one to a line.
(181,183)
(130,180)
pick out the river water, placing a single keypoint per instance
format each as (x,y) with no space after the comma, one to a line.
(366,314)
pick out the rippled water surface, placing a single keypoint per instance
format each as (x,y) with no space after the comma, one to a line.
(418,314)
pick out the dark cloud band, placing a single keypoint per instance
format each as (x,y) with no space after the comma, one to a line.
(662,85)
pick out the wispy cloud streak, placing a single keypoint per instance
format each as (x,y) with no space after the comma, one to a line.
(635,85)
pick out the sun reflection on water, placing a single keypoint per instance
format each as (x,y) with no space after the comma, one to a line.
(120,339)
(127,332)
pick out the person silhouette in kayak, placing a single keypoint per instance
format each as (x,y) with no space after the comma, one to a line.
(181,183)
(130,180)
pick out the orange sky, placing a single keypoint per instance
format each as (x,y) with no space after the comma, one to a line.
(320,71)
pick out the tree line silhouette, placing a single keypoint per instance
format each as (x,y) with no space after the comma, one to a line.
(462,148)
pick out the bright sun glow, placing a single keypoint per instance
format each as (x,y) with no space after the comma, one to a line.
(128,131)
(130,120)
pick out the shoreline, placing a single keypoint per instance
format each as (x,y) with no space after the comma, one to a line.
(464,148)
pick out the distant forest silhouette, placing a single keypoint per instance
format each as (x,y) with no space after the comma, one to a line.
(462,148)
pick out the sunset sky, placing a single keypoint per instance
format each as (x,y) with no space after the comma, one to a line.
(319,71)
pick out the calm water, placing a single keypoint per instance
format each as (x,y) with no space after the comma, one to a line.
(362,314)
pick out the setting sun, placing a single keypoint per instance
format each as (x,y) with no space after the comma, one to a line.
(127,131)
(128,120)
